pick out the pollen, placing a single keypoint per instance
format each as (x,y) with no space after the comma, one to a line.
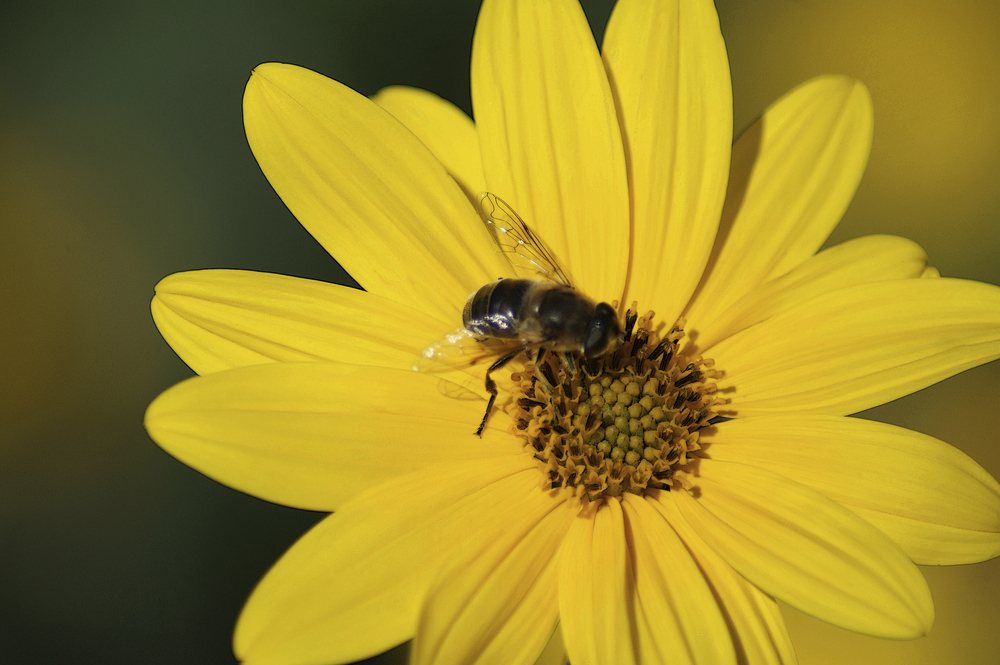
(624,422)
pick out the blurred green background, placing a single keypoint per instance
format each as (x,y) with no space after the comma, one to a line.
(122,159)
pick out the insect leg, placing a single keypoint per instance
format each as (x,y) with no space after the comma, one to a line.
(491,386)
(569,363)
(542,377)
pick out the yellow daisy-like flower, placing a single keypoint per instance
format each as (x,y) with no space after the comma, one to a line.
(614,515)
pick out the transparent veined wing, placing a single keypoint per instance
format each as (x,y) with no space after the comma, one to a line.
(461,349)
(523,248)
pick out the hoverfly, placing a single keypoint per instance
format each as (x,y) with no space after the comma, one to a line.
(511,315)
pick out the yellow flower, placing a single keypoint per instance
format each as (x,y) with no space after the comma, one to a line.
(497,549)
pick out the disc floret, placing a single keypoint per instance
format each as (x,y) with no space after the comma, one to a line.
(625,422)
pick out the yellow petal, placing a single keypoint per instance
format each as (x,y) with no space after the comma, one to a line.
(670,76)
(549,135)
(313,435)
(443,128)
(676,618)
(793,174)
(221,319)
(858,261)
(496,598)
(368,190)
(352,587)
(807,550)
(755,620)
(594,589)
(554,652)
(933,500)
(858,347)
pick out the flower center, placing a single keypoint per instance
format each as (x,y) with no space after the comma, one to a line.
(625,422)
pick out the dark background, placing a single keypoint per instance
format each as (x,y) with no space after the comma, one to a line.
(123,159)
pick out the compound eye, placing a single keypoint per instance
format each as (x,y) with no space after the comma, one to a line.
(604,333)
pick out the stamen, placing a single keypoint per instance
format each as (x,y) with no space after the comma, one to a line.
(630,319)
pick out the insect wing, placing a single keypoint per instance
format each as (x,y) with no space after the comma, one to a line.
(461,349)
(523,248)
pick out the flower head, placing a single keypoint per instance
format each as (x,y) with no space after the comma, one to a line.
(645,506)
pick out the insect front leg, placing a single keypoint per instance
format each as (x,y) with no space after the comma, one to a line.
(569,363)
(491,386)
